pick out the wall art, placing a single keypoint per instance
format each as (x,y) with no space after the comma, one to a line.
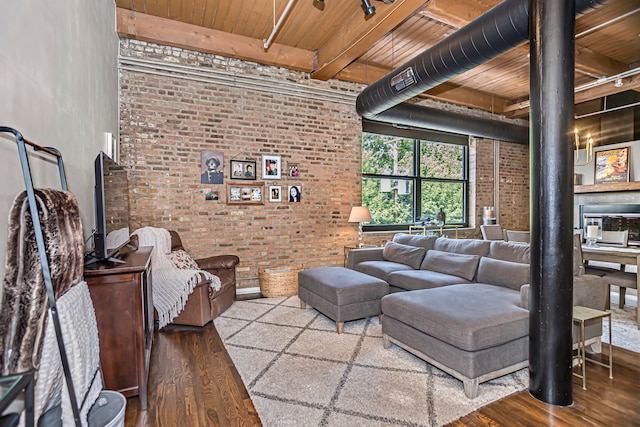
(243,169)
(245,194)
(271,167)
(212,165)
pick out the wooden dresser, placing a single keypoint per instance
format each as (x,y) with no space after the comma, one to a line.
(121,295)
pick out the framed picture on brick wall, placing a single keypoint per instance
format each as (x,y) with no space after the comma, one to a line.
(275,193)
(271,167)
(212,164)
(245,194)
(243,169)
(293,170)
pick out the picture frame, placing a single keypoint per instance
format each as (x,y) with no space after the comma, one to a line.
(212,195)
(293,170)
(294,195)
(611,166)
(275,193)
(212,167)
(245,194)
(271,167)
(243,169)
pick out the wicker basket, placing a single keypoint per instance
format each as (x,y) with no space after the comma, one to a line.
(279,281)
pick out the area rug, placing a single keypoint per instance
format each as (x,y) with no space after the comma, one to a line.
(300,372)
(625,332)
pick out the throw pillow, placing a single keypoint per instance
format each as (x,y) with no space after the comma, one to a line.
(461,265)
(503,273)
(183,260)
(403,254)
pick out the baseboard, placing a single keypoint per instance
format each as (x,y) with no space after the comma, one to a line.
(248,291)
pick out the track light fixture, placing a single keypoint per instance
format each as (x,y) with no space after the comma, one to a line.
(366,4)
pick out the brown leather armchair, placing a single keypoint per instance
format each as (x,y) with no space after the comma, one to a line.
(205,303)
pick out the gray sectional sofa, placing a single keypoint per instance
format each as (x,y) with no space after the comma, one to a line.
(463,304)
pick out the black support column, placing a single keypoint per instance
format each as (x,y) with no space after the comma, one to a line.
(551,32)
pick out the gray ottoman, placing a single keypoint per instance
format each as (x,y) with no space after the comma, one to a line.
(474,332)
(341,294)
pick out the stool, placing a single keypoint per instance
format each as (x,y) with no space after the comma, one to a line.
(580,316)
(341,294)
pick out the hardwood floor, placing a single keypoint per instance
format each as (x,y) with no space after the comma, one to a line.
(194,383)
(606,402)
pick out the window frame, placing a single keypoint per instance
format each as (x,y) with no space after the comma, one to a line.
(417,136)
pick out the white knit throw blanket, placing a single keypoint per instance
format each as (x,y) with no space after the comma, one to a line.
(80,334)
(171,285)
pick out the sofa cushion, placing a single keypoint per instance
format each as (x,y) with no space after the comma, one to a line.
(404,254)
(455,264)
(510,251)
(503,273)
(380,269)
(463,246)
(411,280)
(418,240)
(471,317)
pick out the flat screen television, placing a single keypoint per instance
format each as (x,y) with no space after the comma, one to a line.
(111,203)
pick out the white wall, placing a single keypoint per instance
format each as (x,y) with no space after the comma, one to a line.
(58,87)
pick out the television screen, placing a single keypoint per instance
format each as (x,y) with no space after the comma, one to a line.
(111,208)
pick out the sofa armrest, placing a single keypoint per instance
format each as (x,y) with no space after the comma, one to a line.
(357,256)
(588,291)
(218,262)
(524,296)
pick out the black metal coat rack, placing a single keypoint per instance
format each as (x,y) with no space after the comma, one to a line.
(25,381)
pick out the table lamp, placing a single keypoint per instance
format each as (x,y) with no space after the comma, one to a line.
(360,214)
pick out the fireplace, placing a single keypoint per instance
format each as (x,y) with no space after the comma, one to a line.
(615,217)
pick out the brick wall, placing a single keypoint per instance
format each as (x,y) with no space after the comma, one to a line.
(167,121)
(512,163)
(245,110)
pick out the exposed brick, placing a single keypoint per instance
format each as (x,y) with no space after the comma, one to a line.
(166,122)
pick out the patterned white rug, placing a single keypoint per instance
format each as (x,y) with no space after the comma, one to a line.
(300,372)
(625,331)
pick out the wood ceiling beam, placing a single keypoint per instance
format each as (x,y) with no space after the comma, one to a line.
(358,35)
(460,12)
(447,92)
(514,110)
(140,26)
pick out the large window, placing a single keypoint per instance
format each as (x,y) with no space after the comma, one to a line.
(407,179)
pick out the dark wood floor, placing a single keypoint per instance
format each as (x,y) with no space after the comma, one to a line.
(193,382)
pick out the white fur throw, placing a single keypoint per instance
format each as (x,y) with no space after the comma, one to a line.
(171,285)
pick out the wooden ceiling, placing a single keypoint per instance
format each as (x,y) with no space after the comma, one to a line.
(334,39)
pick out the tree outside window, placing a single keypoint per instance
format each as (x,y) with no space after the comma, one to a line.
(407,180)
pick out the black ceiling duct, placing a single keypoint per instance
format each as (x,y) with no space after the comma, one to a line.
(488,36)
(420,116)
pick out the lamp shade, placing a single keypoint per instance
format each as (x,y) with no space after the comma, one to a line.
(360,214)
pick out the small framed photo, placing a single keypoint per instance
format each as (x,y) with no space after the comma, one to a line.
(295,193)
(275,193)
(243,169)
(612,166)
(293,170)
(245,194)
(212,195)
(271,167)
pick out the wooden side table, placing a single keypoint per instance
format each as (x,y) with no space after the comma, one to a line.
(580,316)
